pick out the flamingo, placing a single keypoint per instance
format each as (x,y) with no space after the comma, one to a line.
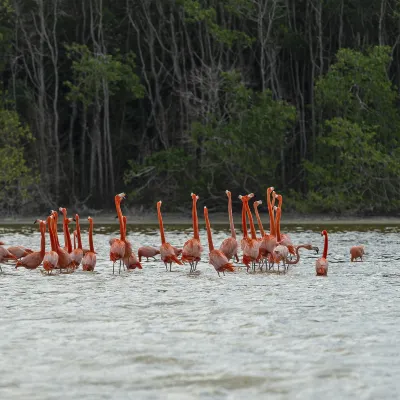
(64,258)
(192,249)
(250,246)
(117,250)
(230,245)
(33,260)
(166,250)
(321,265)
(147,252)
(5,255)
(131,261)
(89,259)
(301,246)
(285,239)
(356,252)
(281,252)
(77,253)
(19,251)
(50,259)
(216,257)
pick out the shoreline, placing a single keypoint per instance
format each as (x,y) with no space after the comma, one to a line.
(217,219)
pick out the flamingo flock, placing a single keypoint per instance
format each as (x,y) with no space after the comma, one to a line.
(267,250)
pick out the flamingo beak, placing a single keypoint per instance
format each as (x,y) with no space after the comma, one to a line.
(316,249)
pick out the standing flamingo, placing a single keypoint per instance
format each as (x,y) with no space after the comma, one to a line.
(230,245)
(50,259)
(33,260)
(19,251)
(192,249)
(166,250)
(117,250)
(5,255)
(147,252)
(356,252)
(77,253)
(89,259)
(250,246)
(321,265)
(216,257)
(131,261)
(284,238)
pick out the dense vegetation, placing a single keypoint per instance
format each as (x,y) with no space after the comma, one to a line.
(163,97)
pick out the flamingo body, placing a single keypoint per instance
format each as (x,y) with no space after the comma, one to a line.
(230,248)
(19,251)
(356,252)
(50,261)
(89,261)
(147,252)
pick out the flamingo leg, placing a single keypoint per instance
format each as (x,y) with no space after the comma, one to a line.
(170,267)
(237,258)
(195,266)
(113,268)
(166,267)
(218,274)
(223,272)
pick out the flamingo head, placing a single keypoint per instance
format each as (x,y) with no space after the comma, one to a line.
(258,202)
(324,233)
(194,196)
(76,219)
(228,193)
(159,204)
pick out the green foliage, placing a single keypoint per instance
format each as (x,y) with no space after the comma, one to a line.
(91,71)
(16,177)
(358,151)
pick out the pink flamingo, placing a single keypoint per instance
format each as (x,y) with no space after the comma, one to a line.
(216,257)
(64,258)
(285,239)
(19,251)
(131,261)
(89,259)
(356,252)
(321,265)
(50,259)
(192,249)
(33,260)
(230,245)
(250,246)
(77,253)
(147,252)
(166,250)
(5,255)
(117,250)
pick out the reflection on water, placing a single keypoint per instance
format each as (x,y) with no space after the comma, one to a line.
(154,334)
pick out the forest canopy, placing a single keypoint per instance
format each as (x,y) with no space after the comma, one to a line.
(159,98)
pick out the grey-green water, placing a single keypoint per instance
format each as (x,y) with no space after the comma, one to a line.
(153,334)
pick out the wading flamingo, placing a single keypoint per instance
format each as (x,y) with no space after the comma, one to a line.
(19,251)
(284,238)
(301,246)
(5,256)
(131,261)
(166,250)
(89,259)
(117,250)
(33,260)
(356,252)
(192,249)
(147,252)
(50,259)
(77,253)
(216,257)
(230,245)
(250,245)
(321,265)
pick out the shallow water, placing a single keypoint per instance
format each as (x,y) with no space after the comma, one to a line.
(172,335)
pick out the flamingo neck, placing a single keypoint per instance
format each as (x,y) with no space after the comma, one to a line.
(91,236)
(252,228)
(301,246)
(51,234)
(325,253)
(209,235)
(55,224)
(271,214)
(233,232)
(67,236)
(42,240)
(78,232)
(160,222)
(124,236)
(278,225)
(244,222)
(117,200)
(195,219)
(258,219)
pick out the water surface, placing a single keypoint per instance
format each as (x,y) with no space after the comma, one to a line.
(172,335)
